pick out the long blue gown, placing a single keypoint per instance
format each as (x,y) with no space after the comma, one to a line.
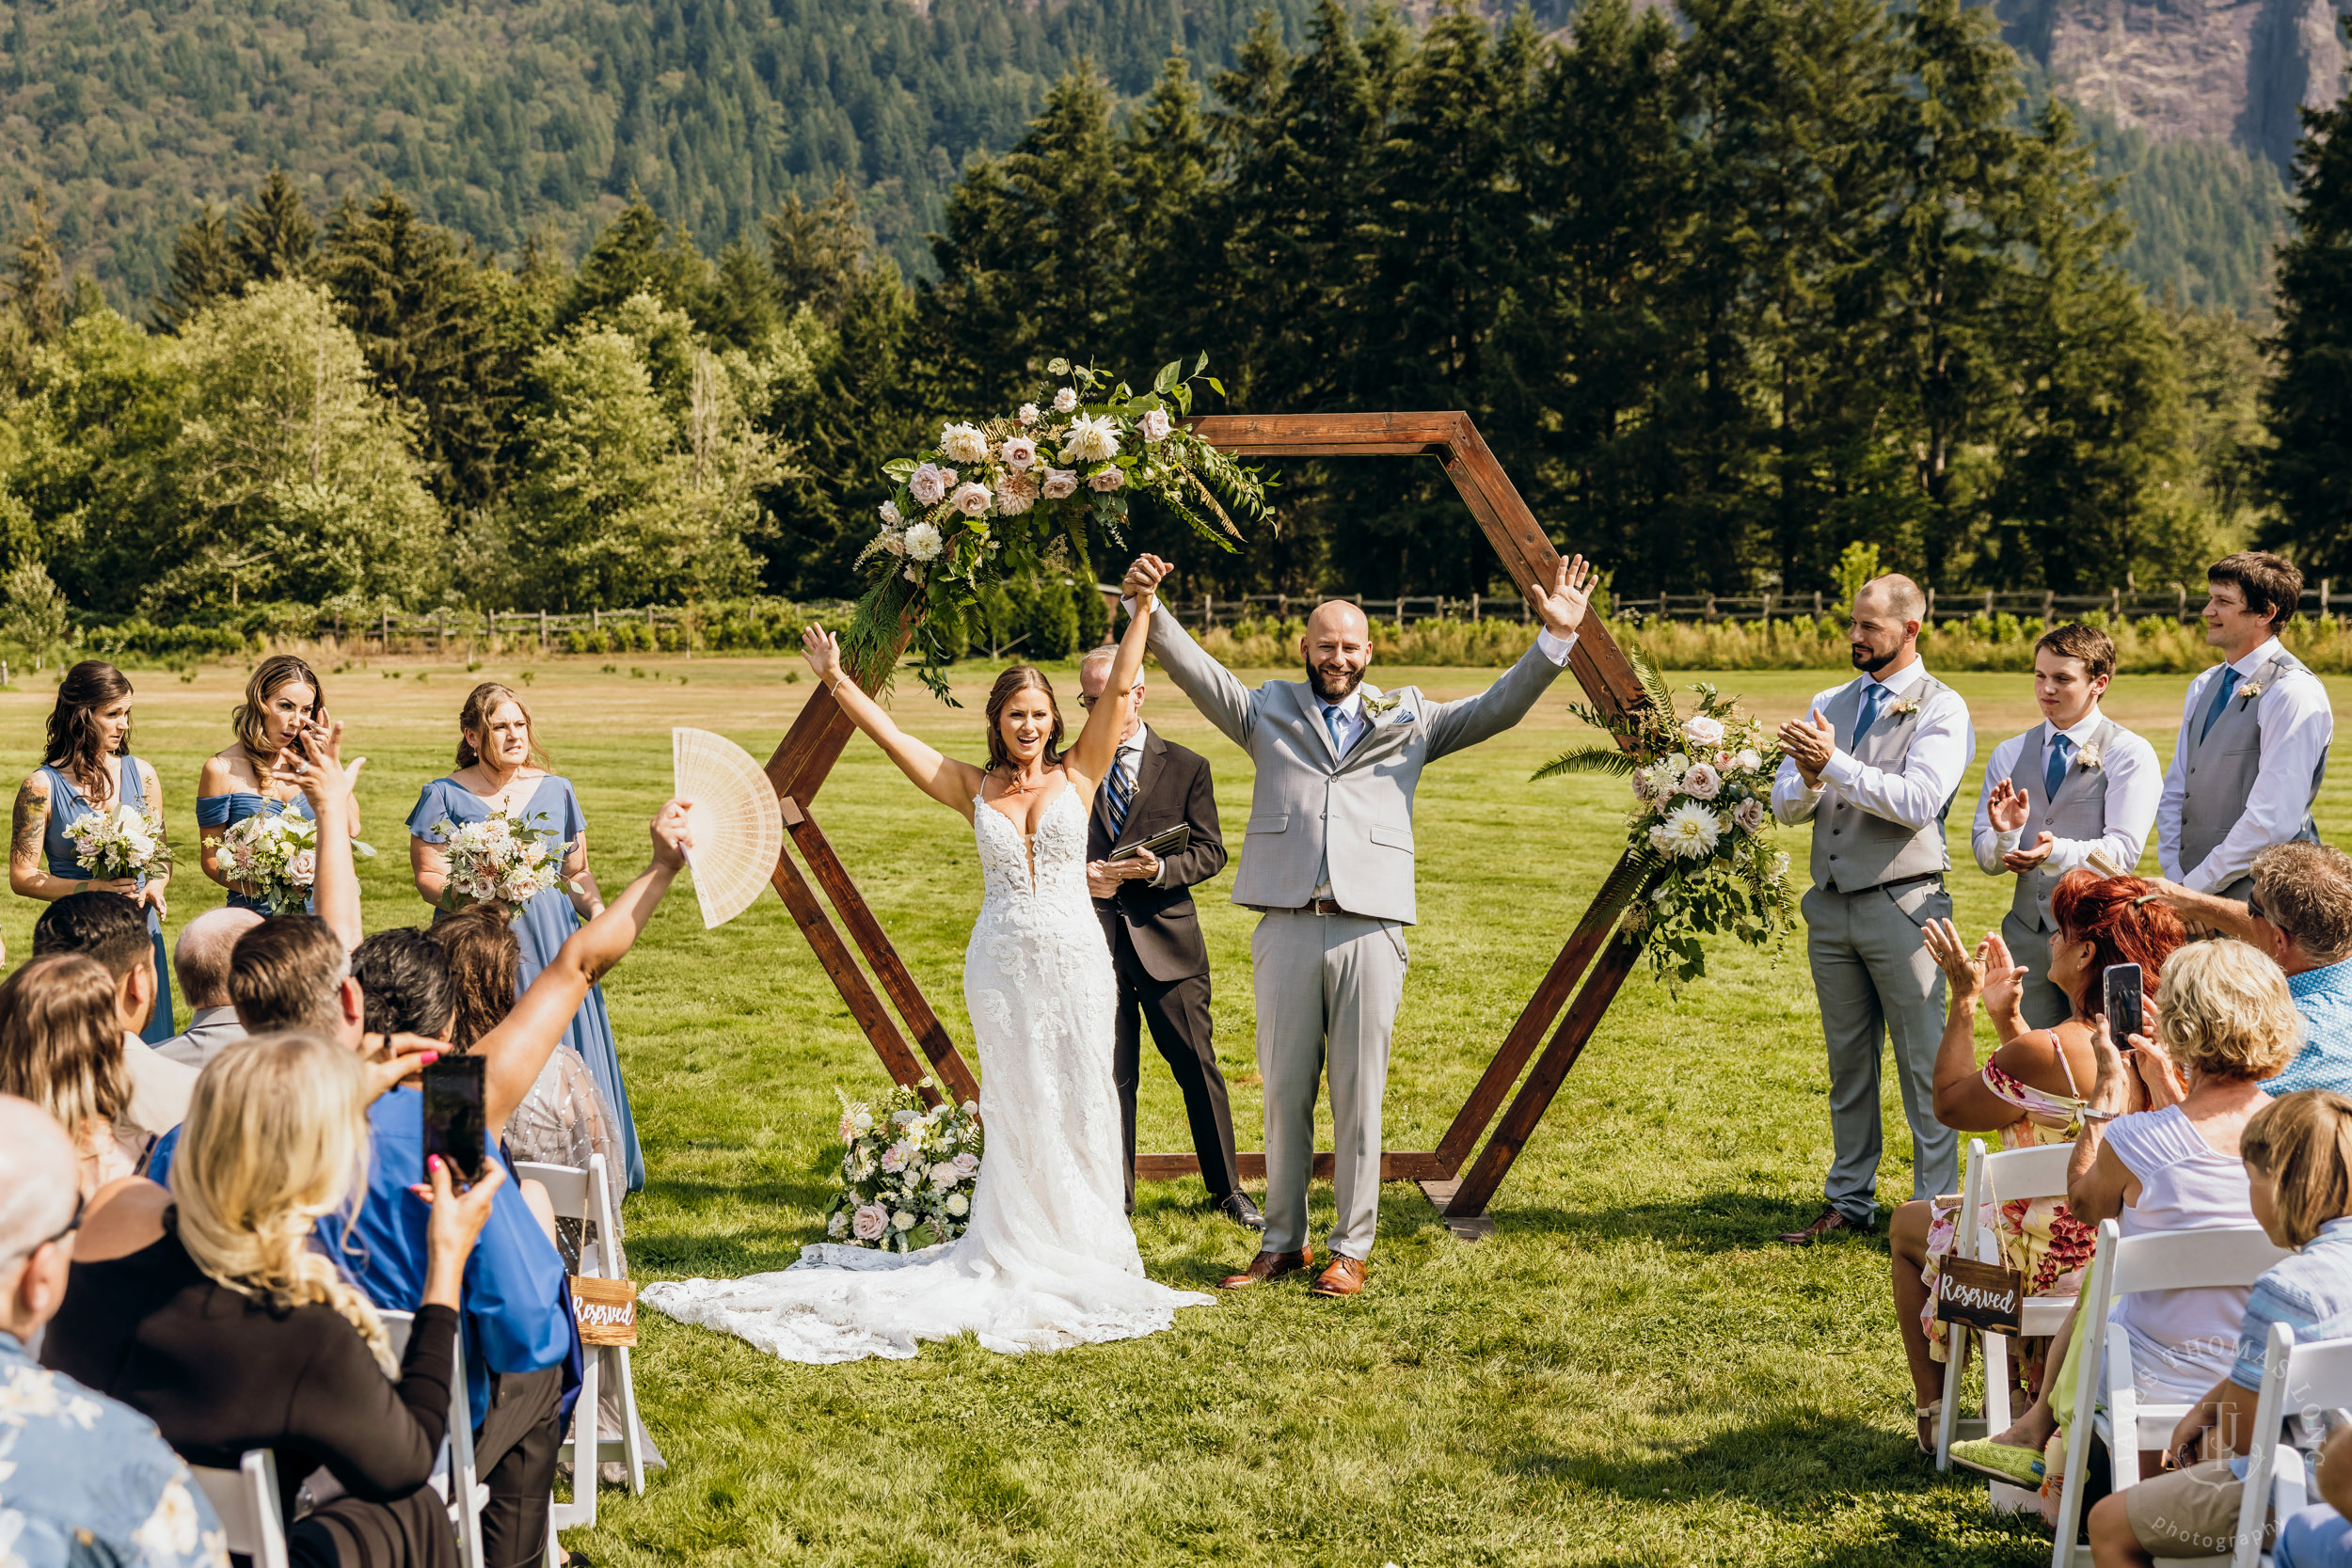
(542,928)
(67,807)
(226,811)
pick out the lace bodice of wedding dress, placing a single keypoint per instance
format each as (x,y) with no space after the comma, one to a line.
(1049,1259)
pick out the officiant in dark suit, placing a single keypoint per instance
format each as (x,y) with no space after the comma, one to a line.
(1145,904)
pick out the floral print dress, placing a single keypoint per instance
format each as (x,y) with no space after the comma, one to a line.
(2039,1237)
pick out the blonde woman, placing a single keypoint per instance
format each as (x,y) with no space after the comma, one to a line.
(283,701)
(61,1048)
(206,1307)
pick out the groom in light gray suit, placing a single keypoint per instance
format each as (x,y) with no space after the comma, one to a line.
(1328,863)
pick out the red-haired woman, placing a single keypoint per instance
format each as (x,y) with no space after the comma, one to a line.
(2032,1090)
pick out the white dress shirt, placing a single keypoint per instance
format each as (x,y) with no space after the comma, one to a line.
(2297,723)
(2134,780)
(1942,745)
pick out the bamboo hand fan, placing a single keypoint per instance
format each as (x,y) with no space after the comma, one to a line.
(732,812)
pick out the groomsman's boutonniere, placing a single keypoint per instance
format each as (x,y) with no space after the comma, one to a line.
(2248,690)
(2088,756)
(1902,707)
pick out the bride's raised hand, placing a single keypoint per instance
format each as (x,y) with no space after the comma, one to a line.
(823,651)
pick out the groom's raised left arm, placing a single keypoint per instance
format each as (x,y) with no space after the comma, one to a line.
(1453,726)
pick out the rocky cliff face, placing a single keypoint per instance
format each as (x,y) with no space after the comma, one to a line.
(2229,71)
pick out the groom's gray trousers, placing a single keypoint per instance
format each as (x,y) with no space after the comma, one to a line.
(1878,986)
(1329,986)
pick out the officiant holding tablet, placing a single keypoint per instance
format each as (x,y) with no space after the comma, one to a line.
(1152,836)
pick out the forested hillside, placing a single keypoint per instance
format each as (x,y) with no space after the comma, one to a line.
(503,120)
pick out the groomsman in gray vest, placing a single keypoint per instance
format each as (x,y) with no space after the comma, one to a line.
(1328,866)
(1873,768)
(2255,736)
(2076,785)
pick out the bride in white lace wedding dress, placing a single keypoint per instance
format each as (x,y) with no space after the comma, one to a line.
(1049,1259)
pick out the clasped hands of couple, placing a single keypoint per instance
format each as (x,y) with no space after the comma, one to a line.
(2147,1080)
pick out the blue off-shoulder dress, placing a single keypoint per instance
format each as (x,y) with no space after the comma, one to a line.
(542,928)
(67,807)
(226,811)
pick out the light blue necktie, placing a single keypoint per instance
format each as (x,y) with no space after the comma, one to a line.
(1873,698)
(2222,690)
(1332,720)
(1123,795)
(2054,774)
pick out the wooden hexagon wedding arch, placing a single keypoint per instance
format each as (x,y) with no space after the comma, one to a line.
(815,741)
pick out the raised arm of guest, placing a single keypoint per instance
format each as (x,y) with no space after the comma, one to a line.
(314,763)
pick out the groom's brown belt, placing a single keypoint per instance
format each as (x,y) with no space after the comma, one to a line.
(1318,905)
(1902,882)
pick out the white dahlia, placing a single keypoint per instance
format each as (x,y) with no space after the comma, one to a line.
(923,541)
(1689,833)
(962,443)
(1092,439)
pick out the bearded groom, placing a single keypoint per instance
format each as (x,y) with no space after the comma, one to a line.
(1327,862)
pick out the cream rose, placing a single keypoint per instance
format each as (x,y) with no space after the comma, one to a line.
(1060,482)
(1019,453)
(1702,732)
(870,1222)
(971,498)
(1749,814)
(1109,477)
(1029,413)
(1065,400)
(930,483)
(1154,424)
(1703,782)
(888,512)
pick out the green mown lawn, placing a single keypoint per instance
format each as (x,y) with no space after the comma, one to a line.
(1628,1372)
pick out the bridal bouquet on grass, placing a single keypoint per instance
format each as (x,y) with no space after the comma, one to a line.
(503,859)
(1697,862)
(907,1173)
(992,498)
(275,855)
(123,842)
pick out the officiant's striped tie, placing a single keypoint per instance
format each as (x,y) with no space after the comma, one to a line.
(1123,795)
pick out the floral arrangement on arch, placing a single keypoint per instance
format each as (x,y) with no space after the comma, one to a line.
(274,856)
(1697,861)
(995,499)
(121,841)
(503,859)
(908,1171)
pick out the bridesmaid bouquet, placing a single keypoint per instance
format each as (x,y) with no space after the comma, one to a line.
(502,859)
(1696,862)
(124,842)
(274,856)
(908,1172)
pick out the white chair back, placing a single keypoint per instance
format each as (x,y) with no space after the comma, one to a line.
(2297,1379)
(2128,1265)
(586,1196)
(246,1500)
(1997,1176)
(457,1480)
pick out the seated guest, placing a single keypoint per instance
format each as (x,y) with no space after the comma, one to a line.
(89,1479)
(113,929)
(2297,1153)
(201,960)
(2031,1092)
(2299,911)
(208,1307)
(2168,1161)
(60,1048)
(2320,1535)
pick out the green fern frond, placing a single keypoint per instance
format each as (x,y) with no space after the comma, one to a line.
(1661,701)
(1629,880)
(1592,759)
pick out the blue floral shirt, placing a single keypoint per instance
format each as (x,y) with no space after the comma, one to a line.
(84,1479)
(2323,998)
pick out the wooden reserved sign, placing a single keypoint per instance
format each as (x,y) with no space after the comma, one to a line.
(1984,1296)
(606,1310)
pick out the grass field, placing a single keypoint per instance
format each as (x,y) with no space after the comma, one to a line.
(1628,1372)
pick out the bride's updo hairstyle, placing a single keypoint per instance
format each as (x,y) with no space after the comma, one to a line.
(1009,684)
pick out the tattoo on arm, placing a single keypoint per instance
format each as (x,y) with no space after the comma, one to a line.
(30,822)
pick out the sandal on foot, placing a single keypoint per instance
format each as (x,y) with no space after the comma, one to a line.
(2019,1467)
(1933,1412)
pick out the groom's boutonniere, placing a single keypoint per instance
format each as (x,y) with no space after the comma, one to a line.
(1377,703)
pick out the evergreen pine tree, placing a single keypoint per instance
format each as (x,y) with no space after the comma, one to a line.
(2309,404)
(275,236)
(204,269)
(638,253)
(36,277)
(815,253)
(743,310)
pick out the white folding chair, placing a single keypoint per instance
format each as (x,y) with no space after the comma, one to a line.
(246,1500)
(586,1196)
(2296,1378)
(2000,1176)
(2106,1404)
(457,1480)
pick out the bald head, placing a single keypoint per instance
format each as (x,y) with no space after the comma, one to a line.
(200,958)
(1894,596)
(40,1177)
(1335,649)
(1338,617)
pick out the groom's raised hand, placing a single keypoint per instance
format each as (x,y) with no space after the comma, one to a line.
(1562,607)
(1144,577)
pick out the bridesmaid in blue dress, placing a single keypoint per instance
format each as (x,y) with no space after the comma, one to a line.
(501,768)
(284,697)
(89,768)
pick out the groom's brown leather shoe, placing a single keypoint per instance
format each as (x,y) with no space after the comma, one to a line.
(1831,1224)
(1344,1278)
(1269,1265)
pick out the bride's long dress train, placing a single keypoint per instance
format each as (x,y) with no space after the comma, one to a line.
(1050,1259)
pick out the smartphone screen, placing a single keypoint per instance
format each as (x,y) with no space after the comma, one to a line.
(452,1115)
(2122,989)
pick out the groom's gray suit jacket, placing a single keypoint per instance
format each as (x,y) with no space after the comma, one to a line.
(1313,810)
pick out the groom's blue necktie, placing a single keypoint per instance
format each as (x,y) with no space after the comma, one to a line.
(2054,772)
(1873,698)
(1333,721)
(2221,691)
